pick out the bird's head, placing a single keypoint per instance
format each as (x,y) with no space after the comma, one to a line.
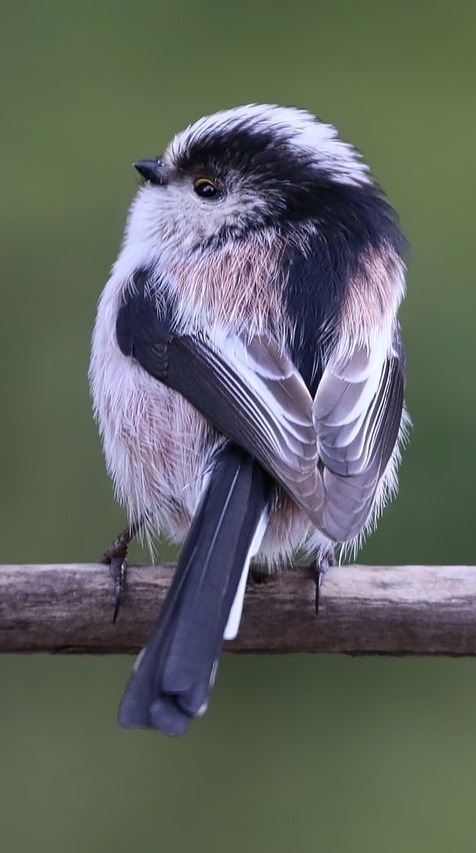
(239,171)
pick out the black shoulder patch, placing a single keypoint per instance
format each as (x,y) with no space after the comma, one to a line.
(139,328)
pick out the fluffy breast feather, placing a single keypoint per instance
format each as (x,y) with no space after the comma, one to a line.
(156,445)
(236,285)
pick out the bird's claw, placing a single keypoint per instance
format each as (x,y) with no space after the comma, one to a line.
(116,558)
(118,572)
(321,566)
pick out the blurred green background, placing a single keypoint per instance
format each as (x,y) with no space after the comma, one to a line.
(299,753)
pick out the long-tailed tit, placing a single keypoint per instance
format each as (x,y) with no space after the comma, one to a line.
(247,373)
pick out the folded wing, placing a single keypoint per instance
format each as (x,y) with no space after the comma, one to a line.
(357,414)
(329,454)
(248,389)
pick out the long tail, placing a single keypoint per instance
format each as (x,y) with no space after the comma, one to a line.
(173,675)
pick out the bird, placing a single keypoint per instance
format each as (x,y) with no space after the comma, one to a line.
(247,374)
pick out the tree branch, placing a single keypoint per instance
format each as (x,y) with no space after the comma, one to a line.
(425,610)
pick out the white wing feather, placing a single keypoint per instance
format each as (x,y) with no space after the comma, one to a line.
(357,415)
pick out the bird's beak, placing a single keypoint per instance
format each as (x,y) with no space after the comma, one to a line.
(153,171)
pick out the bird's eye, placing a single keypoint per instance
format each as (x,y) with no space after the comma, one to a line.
(206,188)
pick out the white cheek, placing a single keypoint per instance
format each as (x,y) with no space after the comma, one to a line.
(166,216)
(195,217)
(175,217)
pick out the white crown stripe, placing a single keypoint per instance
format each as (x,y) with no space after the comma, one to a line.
(298,128)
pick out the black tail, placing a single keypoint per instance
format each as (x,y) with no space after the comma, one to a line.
(173,675)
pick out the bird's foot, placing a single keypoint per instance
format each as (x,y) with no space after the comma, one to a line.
(321,566)
(115,557)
